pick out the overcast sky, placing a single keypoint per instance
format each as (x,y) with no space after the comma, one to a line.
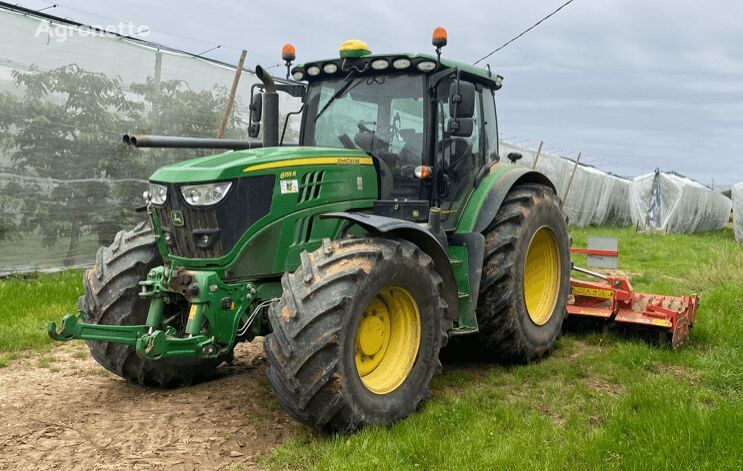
(632,84)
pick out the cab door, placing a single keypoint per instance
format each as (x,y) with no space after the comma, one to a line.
(462,157)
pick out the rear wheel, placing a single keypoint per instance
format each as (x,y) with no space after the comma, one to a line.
(111,298)
(356,334)
(526,276)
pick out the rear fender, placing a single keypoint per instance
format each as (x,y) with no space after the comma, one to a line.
(420,236)
(487,198)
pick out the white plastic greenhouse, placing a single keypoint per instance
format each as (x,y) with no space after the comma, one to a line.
(595,197)
(672,203)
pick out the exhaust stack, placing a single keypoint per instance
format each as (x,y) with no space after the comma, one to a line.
(270,108)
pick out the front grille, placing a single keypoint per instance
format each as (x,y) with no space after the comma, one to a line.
(182,242)
(248,200)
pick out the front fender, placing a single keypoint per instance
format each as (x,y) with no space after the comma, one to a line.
(487,198)
(418,235)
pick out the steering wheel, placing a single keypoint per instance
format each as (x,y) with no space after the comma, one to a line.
(340,124)
(364,128)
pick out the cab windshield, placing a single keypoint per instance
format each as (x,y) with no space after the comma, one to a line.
(382,115)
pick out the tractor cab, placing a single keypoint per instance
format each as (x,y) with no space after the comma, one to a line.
(429,123)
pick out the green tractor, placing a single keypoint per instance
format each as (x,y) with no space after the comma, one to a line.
(357,254)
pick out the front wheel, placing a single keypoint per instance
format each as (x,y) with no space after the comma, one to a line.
(356,334)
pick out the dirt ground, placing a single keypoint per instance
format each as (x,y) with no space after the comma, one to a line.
(60,410)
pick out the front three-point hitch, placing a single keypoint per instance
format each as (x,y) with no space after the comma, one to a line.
(216,313)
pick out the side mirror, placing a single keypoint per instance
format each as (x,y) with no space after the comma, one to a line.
(254,129)
(461,99)
(256,108)
(460,127)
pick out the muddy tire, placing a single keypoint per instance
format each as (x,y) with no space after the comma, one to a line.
(111,298)
(328,361)
(525,277)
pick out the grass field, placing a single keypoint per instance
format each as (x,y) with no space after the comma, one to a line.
(26,305)
(597,402)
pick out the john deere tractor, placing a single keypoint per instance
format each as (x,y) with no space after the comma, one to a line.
(392,226)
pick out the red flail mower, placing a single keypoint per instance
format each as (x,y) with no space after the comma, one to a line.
(612,300)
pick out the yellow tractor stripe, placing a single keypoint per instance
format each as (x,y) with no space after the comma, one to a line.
(311,161)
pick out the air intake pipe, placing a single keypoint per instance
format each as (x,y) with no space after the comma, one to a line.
(270,108)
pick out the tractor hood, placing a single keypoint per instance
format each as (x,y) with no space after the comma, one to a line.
(235,164)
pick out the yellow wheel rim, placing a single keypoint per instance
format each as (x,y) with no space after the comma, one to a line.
(542,276)
(387,340)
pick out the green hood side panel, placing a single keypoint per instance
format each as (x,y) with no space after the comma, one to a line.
(309,181)
(233,164)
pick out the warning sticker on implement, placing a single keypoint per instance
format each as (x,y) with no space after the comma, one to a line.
(661,322)
(289,186)
(592,292)
(192,312)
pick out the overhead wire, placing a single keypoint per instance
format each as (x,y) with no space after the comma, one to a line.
(523,32)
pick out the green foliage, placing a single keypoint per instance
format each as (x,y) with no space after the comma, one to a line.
(62,123)
(67,125)
(600,401)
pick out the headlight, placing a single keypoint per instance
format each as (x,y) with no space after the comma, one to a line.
(330,68)
(158,193)
(298,75)
(206,194)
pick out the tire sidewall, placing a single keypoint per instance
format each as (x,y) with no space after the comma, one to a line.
(543,214)
(407,274)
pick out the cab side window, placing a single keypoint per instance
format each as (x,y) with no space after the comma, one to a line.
(490,126)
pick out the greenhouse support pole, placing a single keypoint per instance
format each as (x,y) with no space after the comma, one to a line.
(156,87)
(570,182)
(536,158)
(233,91)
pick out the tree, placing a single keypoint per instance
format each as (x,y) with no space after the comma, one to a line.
(63,134)
(63,128)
